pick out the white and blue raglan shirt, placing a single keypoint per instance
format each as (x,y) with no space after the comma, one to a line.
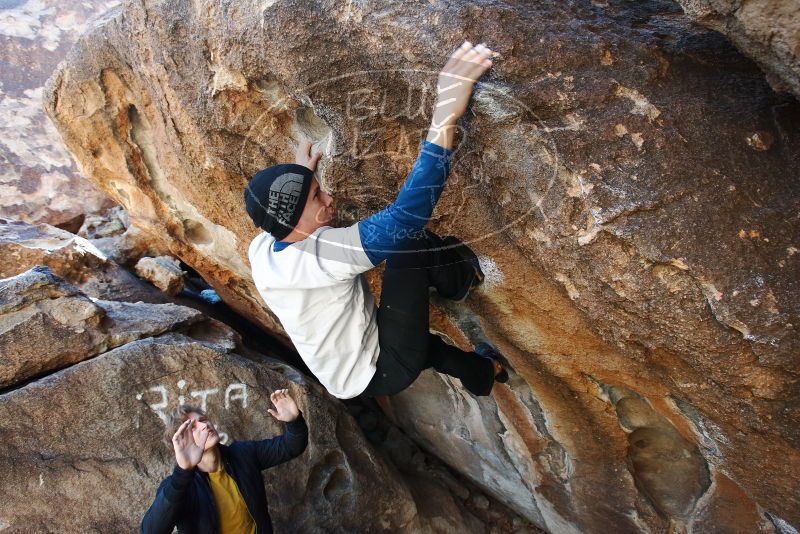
(316,289)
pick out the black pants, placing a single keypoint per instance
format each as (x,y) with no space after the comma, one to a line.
(406,345)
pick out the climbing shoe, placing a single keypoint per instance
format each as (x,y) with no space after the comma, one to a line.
(462,251)
(487,351)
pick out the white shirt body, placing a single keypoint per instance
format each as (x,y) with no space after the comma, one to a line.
(316,289)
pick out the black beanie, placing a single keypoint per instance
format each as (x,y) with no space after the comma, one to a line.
(276,196)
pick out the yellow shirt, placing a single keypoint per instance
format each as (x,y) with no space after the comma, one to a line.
(234,517)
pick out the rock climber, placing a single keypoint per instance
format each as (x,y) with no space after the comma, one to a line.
(310,273)
(216,488)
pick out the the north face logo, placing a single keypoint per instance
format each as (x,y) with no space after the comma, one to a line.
(284,194)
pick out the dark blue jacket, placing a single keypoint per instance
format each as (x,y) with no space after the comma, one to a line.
(184,499)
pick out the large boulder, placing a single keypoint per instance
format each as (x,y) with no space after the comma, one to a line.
(73,258)
(100,454)
(92,266)
(629,180)
(47,324)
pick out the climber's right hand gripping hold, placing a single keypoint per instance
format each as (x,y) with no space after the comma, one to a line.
(454,89)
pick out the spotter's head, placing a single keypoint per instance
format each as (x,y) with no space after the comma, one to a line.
(200,425)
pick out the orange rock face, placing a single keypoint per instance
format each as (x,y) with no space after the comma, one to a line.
(640,247)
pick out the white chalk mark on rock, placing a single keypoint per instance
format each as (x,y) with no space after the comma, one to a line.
(240,396)
(203,394)
(493,275)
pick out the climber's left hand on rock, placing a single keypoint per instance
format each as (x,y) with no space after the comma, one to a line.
(304,157)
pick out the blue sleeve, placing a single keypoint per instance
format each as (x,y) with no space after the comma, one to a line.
(386,231)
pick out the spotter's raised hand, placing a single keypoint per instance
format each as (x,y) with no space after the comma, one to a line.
(286,409)
(188,453)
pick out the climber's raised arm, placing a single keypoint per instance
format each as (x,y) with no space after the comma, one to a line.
(386,231)
(454,89)
(287,201)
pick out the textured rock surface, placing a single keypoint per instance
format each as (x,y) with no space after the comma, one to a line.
(97,273)
(89,437)
(104,225)
(629,179)
(39,183)
(77,260)
(766,30)
(111,488)
(47,324)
